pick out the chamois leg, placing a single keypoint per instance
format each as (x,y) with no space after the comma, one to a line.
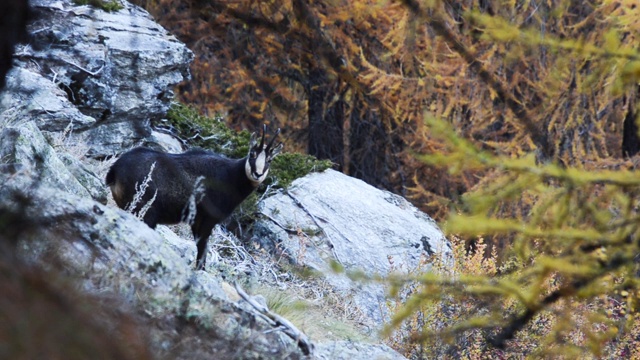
(201,229)
(151,218)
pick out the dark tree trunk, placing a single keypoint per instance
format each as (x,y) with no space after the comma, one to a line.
(325,124)
(373,150)
(14,16)
(630,140)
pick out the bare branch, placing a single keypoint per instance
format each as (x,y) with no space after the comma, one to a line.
(278,321)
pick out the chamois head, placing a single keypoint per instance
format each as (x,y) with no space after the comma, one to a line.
(260,156)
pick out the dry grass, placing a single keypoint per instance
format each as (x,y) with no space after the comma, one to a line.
(66,142)
(312,316)
(138,206)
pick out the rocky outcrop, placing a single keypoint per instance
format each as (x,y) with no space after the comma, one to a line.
(25,148)
(330,217)
(30,96)
(108,74)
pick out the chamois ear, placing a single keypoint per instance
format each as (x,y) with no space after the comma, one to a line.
(252,140)
(264,131)
(275,151)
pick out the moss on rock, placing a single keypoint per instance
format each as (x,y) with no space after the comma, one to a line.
(207,132)
(106,5)
(287,167)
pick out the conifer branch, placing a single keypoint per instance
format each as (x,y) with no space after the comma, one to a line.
(321,42)
(518,322)
(438,24)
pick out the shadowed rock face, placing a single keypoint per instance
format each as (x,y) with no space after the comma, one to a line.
(26,148)
(14,16)
(115,69)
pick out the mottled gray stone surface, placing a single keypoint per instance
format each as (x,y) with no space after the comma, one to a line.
(107,73)
(325,217)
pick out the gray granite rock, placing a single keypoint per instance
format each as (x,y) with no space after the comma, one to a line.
(327,217)
(117,69)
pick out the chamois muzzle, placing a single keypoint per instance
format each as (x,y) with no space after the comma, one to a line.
(260,156)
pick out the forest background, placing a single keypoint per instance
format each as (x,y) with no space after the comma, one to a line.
(513,123)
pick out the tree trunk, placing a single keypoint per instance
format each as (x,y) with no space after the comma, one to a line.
(325,126)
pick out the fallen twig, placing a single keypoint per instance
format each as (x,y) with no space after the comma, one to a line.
(278,322)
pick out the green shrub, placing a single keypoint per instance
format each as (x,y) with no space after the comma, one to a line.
(207,132)
(106,5)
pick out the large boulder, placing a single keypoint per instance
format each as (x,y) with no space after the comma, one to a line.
(29,96)
(116,68)
(26,149)
(330,217)
(348,350)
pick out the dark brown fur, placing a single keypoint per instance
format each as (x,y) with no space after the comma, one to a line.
(199,187)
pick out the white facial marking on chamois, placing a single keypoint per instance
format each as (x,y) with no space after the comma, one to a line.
(260,163)
(257,169)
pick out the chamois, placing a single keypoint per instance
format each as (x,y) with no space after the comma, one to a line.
(199,187)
